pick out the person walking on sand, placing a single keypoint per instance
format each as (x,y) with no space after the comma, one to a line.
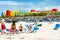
(13,28)
(3,26)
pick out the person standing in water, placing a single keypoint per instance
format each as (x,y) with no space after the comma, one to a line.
(13,27)
(3,26)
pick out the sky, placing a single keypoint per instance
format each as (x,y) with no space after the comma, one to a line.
(28,5)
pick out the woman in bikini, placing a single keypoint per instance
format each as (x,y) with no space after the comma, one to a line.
(13,27)
(20,28)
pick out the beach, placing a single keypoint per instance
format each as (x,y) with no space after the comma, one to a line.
(45,32)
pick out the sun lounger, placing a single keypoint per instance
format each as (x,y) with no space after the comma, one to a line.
(40,20)
(7,31)
(32,20)
(55,20)
(35,29)
(47,19)
(37,25)
(27,26)
(57,26)
(0,29)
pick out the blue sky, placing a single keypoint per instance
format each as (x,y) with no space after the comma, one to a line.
(27,5)
(24,0)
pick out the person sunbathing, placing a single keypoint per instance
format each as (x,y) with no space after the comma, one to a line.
(3,27)
(36,23)
(20,28)
(30,28)
(13,27)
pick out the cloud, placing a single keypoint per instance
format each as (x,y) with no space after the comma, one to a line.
(45,5)
(10,3)
(52,7)
(27,6)
(15,3)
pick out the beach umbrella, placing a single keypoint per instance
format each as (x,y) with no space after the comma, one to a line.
(8,13)
(54,10)
(33,10)
(12,14)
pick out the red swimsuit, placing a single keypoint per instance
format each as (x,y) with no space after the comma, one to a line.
(3,27)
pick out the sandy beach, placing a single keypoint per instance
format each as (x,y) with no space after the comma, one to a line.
(45,32)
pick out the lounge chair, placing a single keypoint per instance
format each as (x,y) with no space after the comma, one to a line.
(27,26)
(39,25)
(26,20)
(40,20)
(0,29)
(57,26)
(34,29)
(47,19)
(7,31)
(55,20)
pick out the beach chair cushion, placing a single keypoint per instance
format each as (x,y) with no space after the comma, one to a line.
(35,28)
(39,24)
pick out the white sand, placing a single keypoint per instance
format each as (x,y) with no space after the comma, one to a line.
(45,32)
